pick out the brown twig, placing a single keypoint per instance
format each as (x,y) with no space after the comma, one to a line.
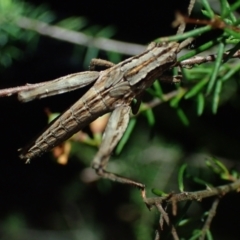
(157,236)
(161,222)
(197,196)
(186,196)
(157,101)
(10,91)
(216,23)
(211,214)
(167,220)
(203,59)
(182,25)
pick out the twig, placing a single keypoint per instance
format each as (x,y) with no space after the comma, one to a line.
(161,222)
(79,37)
(182,25)
(167,220)
(157,101)
(157,236)
(210,58)
(211,214)
(198,195)
(174,207)
(10,91)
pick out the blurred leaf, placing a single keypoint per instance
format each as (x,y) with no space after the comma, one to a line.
(106,32)
(3,39)
(196,89)
(219,168)
(175,101)
(114,57)
(159,192)
(202,48)
(41,13)
(184,222)
(235,5)
(232,33)
(235,174)
(216,68)
(201,182)
(180,177)
(182,212)
(158,90)
(192,33)
(229,74)
(209,235)
(6,60)
(91,53)
(196,234)
(126,135)
(182,116)
(14,224)
(150,116)
(52,116)
(200,104)
(216,96)
(73,23)
(208,8)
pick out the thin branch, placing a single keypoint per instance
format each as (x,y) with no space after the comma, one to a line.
(210,58)
(211,214)
(79,37)
(157,101)
(10,91)
(157,236)
(167,220)
(197,196)
(161,222)
(182,26)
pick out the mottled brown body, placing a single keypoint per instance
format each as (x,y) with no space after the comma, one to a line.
(115,87)
(90,106)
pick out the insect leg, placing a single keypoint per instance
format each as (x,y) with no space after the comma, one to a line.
(97,63)
(60,85)
(115,129)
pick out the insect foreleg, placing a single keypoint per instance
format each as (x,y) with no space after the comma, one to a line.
(60,85)
(97,63)
(115,129)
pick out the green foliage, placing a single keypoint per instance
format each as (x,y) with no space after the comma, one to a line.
(159,192)
(180,177)
(186,175)
(73,23)
(220,169)
(206,87)
(13,35)
(126,135)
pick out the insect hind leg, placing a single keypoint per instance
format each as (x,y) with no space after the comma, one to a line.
(115,129)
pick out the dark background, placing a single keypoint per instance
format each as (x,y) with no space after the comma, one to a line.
(38,193)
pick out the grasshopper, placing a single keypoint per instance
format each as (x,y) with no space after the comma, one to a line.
(114,90)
